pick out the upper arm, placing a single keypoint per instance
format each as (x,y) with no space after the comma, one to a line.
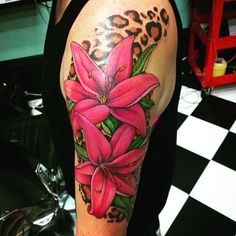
(117,75)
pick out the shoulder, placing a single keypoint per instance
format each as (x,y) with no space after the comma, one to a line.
(102,24)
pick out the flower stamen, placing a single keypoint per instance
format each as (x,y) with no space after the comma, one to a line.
(90,74)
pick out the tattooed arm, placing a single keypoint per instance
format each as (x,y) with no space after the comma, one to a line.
(117,77)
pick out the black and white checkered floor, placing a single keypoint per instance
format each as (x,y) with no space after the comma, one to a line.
(202,199)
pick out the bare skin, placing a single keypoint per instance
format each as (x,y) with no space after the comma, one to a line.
(161,64)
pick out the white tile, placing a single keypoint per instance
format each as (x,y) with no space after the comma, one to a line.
(176,200)
(216,188)
(233,128)
(189,100)
(200,137)
(226,92)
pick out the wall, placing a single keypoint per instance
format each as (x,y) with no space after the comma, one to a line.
(23,29)
(184,8)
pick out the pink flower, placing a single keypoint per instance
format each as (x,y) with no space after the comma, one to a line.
(112,91)
(110,167)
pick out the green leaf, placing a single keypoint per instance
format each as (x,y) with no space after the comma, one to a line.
(140,141)
(145,141)
(111,123)
(123,203)
(137,143)
(81,152)
(70,106)
(146,103)
(142,62)
(106,129)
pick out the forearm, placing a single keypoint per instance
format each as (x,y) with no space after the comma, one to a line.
(88,225)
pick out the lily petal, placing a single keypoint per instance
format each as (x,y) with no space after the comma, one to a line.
(128,162)
(130,91)
(92,110)
(75,91)
(97,146)
(121,140)
(75,122)
(125,185)
(119,61)
(103,191)
(90,75)
(133,116)
(84,172)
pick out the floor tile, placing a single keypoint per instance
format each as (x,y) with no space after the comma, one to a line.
(196,219)
(188,168)
(189,100)
(216,188)
(180,119)
(216,111)
(233,128)
(227,92)
(200,137)
(190,80)
(175,202)
(226,154)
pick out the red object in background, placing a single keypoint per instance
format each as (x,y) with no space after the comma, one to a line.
(211,40)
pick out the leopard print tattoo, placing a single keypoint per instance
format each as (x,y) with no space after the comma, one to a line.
(148,27)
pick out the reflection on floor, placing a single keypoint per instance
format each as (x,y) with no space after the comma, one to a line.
(203,195)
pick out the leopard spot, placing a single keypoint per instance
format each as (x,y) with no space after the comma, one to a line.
(155,9)
(133,31)
(151,14)
(99,31)
(165,33)
(137,49)
(86,193)
(114,39)
(98,55)
(143,15)
(134,15)
(105,27)
(97,43)
(164,16)
(118,21)
(72,70)
(154,30)
(144,39)
(86,45)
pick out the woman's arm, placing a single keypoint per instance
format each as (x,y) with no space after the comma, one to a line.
(117,77)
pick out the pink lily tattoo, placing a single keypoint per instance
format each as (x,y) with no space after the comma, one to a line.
(109,170)
(112,91)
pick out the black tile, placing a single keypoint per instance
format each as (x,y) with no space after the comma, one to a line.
(180,119)
(188,168)
(217,111)
(196,219)
(227,152)
(189,79)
